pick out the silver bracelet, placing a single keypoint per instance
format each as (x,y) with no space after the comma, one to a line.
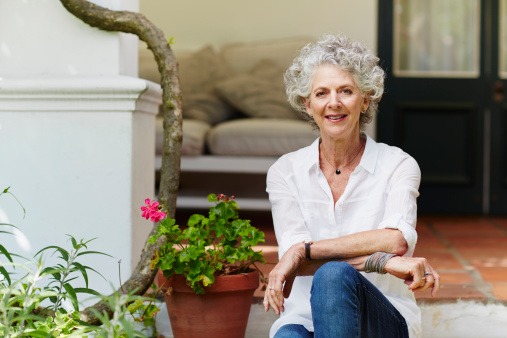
(377,261)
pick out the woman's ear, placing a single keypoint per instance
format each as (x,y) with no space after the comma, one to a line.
(366,102)
(307,105)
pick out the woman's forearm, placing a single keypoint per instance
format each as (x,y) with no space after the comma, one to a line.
(360,244)
(353,249)
(308,268)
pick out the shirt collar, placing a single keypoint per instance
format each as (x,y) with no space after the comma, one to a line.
(368,161)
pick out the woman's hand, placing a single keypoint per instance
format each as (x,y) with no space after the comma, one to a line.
(284,272)
(416,271)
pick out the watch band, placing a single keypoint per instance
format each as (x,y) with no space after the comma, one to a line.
(307,249)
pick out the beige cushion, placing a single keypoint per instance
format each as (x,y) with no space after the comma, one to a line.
(269,70)
(242,57)
(258,94)
(194,135)
(256,97)
(201,70)
(206,107)
(260,137)
(199,73)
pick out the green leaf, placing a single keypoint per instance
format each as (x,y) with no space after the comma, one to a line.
(10,225)
(71,293)
(195,219)
(55,272)
(83,271)
(127,327)
(184,256)
(207,277)
(63,252)
(167,262)
(74,243)
(191,233)
(6,253)
(6,274)
(93,252)
(88,291)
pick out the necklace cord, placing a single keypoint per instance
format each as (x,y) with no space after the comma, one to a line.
(338,171)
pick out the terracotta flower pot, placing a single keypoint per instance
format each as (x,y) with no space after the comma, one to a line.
(221,312)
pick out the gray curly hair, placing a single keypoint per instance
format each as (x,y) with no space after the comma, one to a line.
(345,54)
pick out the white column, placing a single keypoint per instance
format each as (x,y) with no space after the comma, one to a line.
(76,135)
(78,153)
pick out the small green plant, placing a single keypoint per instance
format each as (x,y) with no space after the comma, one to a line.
(220,244)
(21,296)
(118,324)
(62,274)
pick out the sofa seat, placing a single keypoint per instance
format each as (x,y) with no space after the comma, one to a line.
(259,137)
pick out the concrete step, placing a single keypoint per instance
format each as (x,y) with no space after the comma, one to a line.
(461,319)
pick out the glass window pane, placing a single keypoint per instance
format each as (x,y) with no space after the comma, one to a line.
(436,38)
(503,39)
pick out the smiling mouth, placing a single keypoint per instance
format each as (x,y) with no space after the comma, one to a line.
(336,117)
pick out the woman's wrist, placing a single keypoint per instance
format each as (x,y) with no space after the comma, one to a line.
(377,262)
(300,252)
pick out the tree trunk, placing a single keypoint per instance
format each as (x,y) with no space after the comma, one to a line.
(136,23)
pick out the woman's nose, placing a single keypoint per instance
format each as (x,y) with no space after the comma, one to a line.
(334,101)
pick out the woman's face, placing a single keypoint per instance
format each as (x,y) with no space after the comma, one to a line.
(335,102)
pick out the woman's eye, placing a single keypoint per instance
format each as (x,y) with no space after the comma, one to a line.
(347,91)
(319,94)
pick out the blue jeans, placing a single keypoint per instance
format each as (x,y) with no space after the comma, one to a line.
(345,304)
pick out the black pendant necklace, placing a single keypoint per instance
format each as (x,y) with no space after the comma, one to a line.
(338,171)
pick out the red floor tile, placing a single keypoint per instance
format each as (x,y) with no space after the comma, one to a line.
(493,274)
(439,260)
(500,290)
(431,242)
(452,291)
(497,242)
(455,278)
(479,229)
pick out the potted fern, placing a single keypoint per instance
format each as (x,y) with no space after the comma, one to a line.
(208,270)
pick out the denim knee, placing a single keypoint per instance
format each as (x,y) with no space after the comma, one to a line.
(334,273)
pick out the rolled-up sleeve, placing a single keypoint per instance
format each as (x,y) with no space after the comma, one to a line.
(288,221)
(401,204)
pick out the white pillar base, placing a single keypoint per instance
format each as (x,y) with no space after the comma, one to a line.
(79,154)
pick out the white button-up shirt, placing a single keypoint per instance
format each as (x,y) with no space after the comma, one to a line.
(381,193)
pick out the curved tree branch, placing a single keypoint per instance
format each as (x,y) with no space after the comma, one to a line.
(136,23)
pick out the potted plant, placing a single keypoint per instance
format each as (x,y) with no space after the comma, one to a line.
(207,270)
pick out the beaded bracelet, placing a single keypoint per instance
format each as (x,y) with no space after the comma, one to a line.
(377,261)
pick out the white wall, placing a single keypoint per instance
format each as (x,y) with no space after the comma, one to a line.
(39,37)
(194,23)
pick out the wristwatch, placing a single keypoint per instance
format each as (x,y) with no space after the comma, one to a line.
(307,249)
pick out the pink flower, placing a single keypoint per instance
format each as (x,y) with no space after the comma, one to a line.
(147,210)
(151,210)
(157,216)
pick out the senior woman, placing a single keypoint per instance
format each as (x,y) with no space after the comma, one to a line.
(344,209)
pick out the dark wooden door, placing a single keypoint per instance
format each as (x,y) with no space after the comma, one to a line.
(498,103)
(445,106)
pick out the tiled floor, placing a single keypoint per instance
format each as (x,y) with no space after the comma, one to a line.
(469,253)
